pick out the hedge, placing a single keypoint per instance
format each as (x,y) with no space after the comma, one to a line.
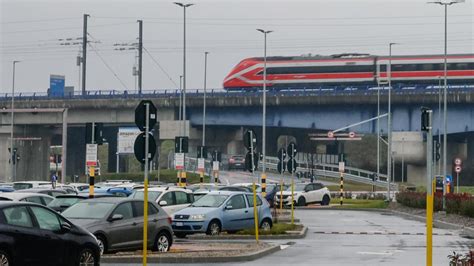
(462,203)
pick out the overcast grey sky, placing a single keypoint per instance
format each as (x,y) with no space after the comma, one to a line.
(30,32)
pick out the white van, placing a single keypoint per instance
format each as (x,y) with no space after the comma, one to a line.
(171,199)
(29,184)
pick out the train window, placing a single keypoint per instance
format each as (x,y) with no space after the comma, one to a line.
(461,66)
(317,69)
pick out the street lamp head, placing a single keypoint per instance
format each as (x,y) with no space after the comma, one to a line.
(447,3)
(264,31)
(182,5)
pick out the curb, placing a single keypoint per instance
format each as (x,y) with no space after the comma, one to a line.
(468,231)
(238,258)
(343,209)
(298,235)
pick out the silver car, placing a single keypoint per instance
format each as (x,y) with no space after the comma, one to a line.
(118,223)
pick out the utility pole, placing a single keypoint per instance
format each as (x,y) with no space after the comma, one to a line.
(84,54)
(140,55)
(204,104)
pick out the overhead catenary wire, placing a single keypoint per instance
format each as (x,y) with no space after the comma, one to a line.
(107,65)
(161,68)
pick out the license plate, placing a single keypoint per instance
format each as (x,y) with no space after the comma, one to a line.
(179,224)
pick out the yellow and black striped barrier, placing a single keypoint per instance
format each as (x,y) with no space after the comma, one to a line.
(264,184)
(184,181)
(91,181)
(342,189)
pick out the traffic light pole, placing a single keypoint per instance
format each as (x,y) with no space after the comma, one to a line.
(255,213)
(145,190)
(429,189)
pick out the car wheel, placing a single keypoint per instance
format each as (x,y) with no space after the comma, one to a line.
(266,225)
(162,242)
(180,235)
(87,258)
(102,244)
(301,201)
(326,200)
(214,228)
(4,259)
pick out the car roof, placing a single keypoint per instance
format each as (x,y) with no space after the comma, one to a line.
(225,192)
(161,189)
(72,196)
(31,182)
(39,189)
(17,203)
(20,195)
(111,199)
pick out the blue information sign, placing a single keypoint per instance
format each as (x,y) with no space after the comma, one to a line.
(56,85)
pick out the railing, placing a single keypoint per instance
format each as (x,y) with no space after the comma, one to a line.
(212,93)
(320,169)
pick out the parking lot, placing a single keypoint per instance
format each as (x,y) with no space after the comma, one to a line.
(339,237)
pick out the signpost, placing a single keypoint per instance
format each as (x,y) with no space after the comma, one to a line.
(179,161)
(145,148)
(457,169)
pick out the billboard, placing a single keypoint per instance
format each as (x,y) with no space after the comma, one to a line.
(126,138)
(56,85)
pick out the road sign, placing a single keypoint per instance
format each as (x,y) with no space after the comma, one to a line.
(139,147)
(248,161)
(292,150)
(126,139)
(341,167)
(457,169)
(201,164)
(250,137)
(91,154)
(179,161)
(352,135)
(291,165)
(215,165)
(281,154)
(330,134)
(457,161)
(140,115)
(281,167)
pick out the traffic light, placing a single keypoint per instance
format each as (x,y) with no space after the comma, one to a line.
(281,160)
(216,156)
(251,158)
(425,119)
(181,144)
(437,151)
(291,164)
(98,133)
(14,157)
(202,152)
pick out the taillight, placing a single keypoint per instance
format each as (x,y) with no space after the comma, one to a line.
(231,160)
(170,221)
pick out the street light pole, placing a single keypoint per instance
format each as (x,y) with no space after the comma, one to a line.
(12,124)
(445,115)
(184,6)
(204,103)
(389,136)
(264,175)
(180,116)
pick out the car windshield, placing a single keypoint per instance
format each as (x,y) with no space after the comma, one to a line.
(18,186)
(88,210)
(298,187)
(152,195)
(62,202)
(210,201)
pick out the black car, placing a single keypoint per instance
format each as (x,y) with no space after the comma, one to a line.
(32,234)
(236,162)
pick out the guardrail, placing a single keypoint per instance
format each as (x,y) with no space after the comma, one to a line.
(320,169)
(211,93)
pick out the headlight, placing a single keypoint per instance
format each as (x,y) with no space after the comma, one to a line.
(197,217)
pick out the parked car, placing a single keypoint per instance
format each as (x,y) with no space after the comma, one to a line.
(221,211)
(79,186)
(35,235)
(171,199)
(305,193)
(47,191)
(118,223)
(29,184)
(38,198)
(6,188)
(236,162)
(235,188)
(68,188)
(111,191)
(208,186)
(62,202)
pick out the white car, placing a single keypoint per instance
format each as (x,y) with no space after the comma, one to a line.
(171,199)
(29,184)
(305,193)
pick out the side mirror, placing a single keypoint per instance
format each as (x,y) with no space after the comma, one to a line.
(65,227)
(115,217)
(163,203)
(228,207)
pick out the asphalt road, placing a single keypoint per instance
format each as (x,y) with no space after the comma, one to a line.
(337,237)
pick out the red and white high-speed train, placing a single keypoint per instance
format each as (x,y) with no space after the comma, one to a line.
(348,69)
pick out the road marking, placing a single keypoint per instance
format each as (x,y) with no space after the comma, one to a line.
(375,253)
(378,233)
(282,247)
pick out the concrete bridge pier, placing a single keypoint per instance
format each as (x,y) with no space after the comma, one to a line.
(33,146)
